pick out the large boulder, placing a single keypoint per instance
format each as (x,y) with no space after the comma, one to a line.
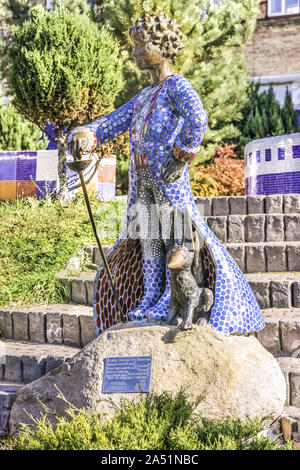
(237,375)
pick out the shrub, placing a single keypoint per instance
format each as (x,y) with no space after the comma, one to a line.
(223,176)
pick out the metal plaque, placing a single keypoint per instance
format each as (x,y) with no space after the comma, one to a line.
(127,374)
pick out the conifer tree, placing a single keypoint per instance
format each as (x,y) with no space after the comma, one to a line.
(288,114)
(63,69)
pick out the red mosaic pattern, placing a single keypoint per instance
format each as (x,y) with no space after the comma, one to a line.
(125,266)
(184,156)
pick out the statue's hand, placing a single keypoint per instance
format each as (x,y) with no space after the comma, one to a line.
(172,169)
(81,141)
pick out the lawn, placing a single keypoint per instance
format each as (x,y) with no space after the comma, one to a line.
(39,237)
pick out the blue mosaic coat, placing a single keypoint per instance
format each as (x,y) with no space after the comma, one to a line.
(176,118)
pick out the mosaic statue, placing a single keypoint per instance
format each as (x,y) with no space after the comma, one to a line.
(166,122)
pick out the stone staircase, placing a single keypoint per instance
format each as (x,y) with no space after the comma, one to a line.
(262,233)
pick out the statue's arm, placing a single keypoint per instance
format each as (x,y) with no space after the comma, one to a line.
(102,130)
(188,105)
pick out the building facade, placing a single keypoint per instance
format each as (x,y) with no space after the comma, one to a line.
(273,54)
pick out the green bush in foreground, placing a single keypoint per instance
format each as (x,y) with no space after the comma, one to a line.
(37,240)
(156,422)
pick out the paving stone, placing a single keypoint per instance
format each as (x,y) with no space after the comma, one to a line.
(54,328)
(219,226)
(291,203)
(255,204)
(292,227)
(274,204)
(295,389)
(79,294)
(255,228)
(220,206)
(255,259)
(6,324)
(274,228)
(237,252)
(71,330)
(269,336)
(261,290)
(33,368)
(52,363)
(293,257)
(296,294)
(20,325)
(290,335)
(281,294)
(276,258)
(88,332)
(13,369)
(37,327)
(90,291)
(236,228)
(204,205)
(237,205)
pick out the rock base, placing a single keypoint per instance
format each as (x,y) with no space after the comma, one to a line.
(235,374)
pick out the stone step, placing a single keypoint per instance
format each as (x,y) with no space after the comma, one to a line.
(8,393)
(281,336)
(273,289)
(25,362)
(291,370)
(68,324)
(276,290)
(236,205)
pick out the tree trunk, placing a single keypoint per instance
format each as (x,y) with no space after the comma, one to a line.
(62,167)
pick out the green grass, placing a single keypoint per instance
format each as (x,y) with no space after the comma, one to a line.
(156,422)
(37,240)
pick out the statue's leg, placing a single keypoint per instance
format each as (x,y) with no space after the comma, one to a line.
(153,252)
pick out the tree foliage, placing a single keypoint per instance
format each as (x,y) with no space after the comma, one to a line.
(264,117)
(16,133)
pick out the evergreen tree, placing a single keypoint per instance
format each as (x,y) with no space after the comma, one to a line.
(63,69)
(288,114)
(16,133)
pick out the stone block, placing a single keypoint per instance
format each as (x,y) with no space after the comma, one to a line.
(236,230)
(52,363)
(296,294)
(6,324)
(54,328)
(237,205)
(79,294)
(33,368)
(290,335)
(293,257)
(292,227)
(256,204)
(274,204)
(218,226)
(276,258)
(269,336)
(88,332)
(204,205)
(238,254)
(281,294)
(37,327)
(261,291)
(20,325)
(67,285)
(255,228)
(220,206)
(295,389)
(274,228)
(13,369)
(2,371)
(291,203)
(255,259)
(90,291)
(97,255)
(71,330)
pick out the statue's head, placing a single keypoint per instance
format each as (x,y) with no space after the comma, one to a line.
(155,39)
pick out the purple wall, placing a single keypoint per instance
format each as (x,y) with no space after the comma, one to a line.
(281,183)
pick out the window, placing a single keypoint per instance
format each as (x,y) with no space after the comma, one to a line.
(268,155)
(258,156)
(296,151)
(283,7)
(49,4)
(281,153)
